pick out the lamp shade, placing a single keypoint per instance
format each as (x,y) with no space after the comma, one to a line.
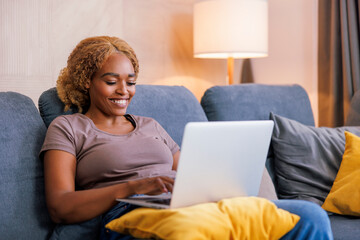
(231,29)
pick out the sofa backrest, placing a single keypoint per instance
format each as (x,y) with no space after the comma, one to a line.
(255,102)
(23,210)
(171,106)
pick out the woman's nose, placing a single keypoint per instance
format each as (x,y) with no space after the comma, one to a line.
(121,89)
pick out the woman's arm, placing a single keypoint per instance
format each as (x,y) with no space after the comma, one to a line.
(176,157)
(69,206)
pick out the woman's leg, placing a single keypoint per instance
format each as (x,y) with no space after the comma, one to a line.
(94,229)
(314,222)
(86,230)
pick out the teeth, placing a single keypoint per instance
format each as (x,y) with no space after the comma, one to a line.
(119,101)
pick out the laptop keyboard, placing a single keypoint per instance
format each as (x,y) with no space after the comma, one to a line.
(161,201)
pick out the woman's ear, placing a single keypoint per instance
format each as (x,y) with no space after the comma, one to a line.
(87,85)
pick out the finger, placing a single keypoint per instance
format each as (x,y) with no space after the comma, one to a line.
(162,185)
(169,187)
(167,179)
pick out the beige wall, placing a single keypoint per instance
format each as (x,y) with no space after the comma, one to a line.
(292,47)
(36,36)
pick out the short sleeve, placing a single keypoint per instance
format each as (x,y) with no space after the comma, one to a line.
(59,136)
(174,147)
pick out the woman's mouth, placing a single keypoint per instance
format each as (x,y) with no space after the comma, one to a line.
(120,102)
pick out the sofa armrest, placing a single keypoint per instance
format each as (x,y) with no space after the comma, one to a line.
(23,210)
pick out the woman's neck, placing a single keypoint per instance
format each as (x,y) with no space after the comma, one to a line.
(113,124)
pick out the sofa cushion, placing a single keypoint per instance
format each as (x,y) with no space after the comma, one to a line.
(345,227)
(171,106)
(50,106)
(23,209)
(345,192)
(306,158)
(256,101)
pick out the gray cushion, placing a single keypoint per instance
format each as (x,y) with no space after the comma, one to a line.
(23,209)
(306,158)
(171,106)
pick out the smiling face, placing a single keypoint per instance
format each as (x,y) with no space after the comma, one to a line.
(112,87)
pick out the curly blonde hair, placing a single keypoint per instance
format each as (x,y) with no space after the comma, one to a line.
(84,61)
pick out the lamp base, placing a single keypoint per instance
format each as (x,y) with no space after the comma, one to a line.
(230,71)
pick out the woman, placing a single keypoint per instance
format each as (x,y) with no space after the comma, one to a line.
(93,158)
(103,82)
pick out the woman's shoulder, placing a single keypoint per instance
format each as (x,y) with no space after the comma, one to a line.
(69,120)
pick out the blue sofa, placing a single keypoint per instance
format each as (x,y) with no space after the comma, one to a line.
(23,207)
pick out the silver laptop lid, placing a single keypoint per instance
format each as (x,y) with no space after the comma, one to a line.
(221,160)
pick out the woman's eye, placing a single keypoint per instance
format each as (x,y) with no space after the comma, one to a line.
(131,83)
(110,83)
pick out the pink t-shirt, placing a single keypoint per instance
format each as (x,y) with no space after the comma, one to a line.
(105,159)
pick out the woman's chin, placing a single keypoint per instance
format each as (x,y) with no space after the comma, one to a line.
(119,113)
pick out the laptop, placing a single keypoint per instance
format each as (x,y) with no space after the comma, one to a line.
(218,160)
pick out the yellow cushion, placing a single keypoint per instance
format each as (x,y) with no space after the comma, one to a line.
(345,193)
(235,218)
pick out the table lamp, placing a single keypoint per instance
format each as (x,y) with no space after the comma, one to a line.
(229,29)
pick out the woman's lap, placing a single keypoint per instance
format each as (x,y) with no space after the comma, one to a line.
(85,230)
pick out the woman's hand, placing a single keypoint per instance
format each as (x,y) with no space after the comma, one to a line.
(152,186)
